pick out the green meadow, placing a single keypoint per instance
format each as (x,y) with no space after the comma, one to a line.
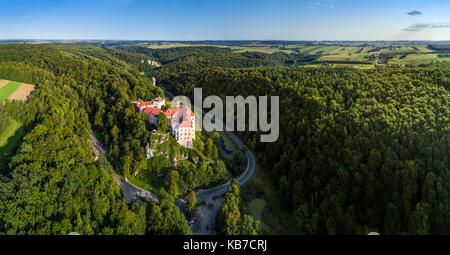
(9,139)
(7,90)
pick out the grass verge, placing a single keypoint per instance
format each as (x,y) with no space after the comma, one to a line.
(260,199)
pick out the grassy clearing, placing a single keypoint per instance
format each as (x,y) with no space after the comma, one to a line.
(230,145)
(9,139)
(7,90)
(153,186)
(260,199)
(9,132)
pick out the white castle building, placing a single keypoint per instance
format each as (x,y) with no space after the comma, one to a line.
(181,121)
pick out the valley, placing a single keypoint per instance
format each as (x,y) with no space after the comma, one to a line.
(347,135)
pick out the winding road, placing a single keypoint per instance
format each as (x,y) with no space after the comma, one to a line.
(205,214)
(208,194)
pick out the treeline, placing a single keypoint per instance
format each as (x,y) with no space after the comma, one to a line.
(229,219)
(111,55)
(205,56)
(439,47)
(359,150)
(52,184)
(12,115)
(184,60)
(4,118)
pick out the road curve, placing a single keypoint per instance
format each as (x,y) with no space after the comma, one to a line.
(131,191)
(205,195)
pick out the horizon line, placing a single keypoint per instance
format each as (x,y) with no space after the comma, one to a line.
(221,40)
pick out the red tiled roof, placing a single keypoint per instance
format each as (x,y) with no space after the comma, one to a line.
(152,111)
(138,105)
(145,103)
(172,111)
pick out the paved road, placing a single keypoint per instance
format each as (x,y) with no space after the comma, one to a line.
(208,194)
(208,214)
(205,195)
(132,192)
(219,190)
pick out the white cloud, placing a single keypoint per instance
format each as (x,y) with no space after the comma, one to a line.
(314,5)
(422,26)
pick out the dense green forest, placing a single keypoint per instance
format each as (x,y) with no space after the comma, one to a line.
(210,56)
(359,150)
(181,170)
(53,185)
(188,59)
(229,219)
(5,119)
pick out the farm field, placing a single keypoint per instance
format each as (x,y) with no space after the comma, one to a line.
(14,90)
(22,93)
(345,58)
(417,59)
(170,45)
(166,45)
(354,54)
(7,90)
(260,48)
(3,83)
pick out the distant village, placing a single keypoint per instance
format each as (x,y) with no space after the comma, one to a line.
(180,120)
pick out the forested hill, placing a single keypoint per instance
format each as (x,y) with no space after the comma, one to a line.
(359,150)
(183,60)
(211,55)
(51,183)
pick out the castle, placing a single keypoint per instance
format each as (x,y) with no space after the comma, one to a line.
(181,121)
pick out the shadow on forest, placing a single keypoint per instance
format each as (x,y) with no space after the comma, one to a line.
(8,150)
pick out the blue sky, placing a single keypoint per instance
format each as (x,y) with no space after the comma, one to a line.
(226,19)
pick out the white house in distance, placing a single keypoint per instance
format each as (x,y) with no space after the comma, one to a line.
(180,121)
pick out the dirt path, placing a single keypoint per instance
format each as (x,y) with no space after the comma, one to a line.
(96,146)
(3,83)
